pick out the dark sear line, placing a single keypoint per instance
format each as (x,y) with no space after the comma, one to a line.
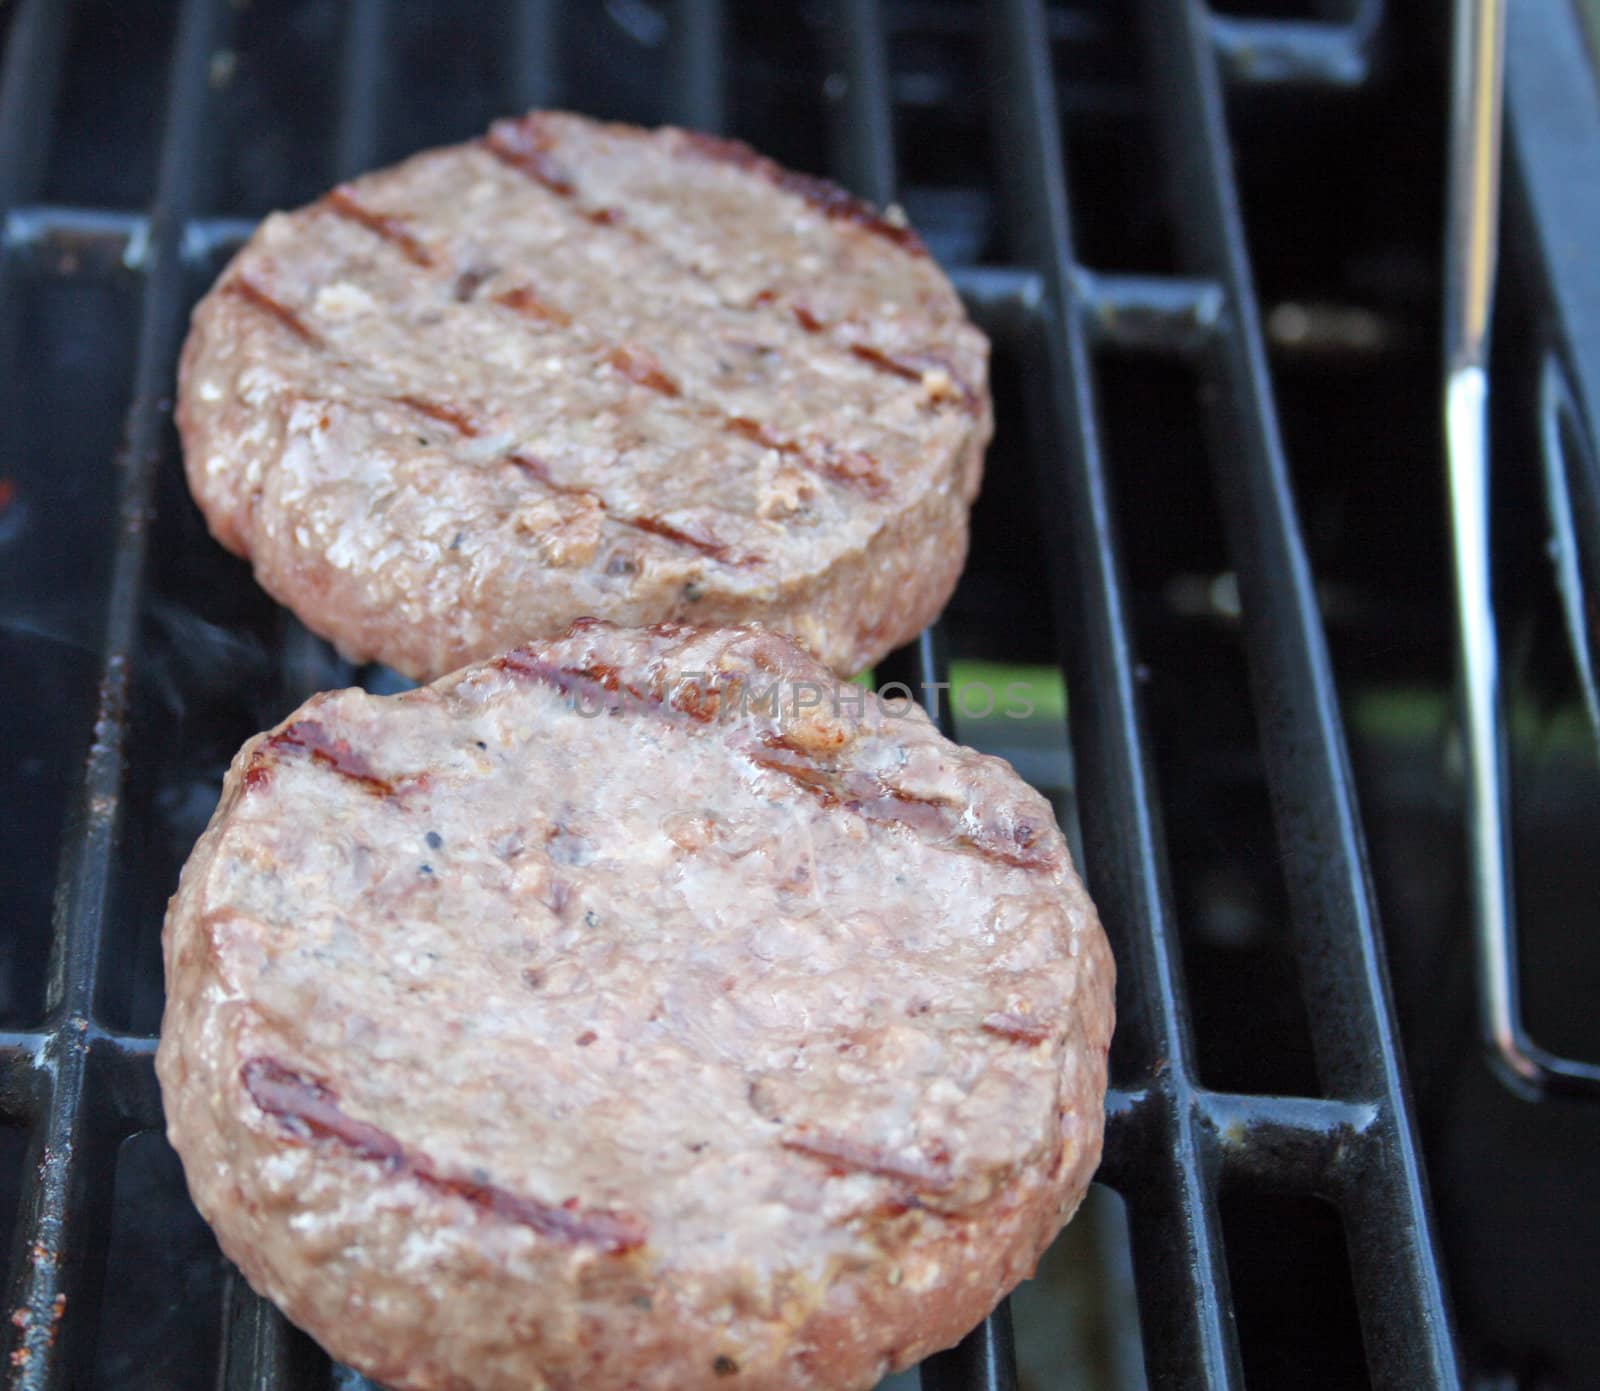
(242,287)
(600,686)
(849,468)
(342,202)
(884,362)
(524,300)
(1020,1028)
(310,1110)
(453,416)
(802,315)
(642,369)
(596,684)
(844,1155)
(833,202)
(312,737)
(916,369)
(525,145)
(710,546)
(528,149)
(684,536)
(1020,846)
(909,369)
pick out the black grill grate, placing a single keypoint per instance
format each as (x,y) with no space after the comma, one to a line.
(78,1084)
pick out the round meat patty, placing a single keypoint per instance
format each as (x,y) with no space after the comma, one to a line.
(594,1018)
(579,369)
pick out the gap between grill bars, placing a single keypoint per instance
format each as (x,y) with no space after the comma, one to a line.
(79,1088)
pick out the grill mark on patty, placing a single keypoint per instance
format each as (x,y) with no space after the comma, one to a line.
(453,416)
(706,545)
(1019,1028)
(844,1155)
(327,750)
(917,368)
(802,316)
(343,203)
(911,369)
(849,468)
(720,551)
(525,145)
(833,202)
(642,368)
(310,1110)
(525,300)
(242,287)
(884,363)
(463,423)
(599,685)
(870,797)
(596,686)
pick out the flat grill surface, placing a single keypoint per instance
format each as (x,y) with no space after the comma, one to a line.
(137,147)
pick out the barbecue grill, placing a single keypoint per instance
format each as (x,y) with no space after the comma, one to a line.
(1089,174)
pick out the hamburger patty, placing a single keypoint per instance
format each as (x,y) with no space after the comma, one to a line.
(581,1021)
(580,369)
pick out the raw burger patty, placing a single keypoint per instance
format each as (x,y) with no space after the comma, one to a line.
(512,1042)
(580,369)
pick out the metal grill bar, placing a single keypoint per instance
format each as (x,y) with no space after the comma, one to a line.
(697,67)
(535,78)
(1159,1163)
(1162,314)
(56,1266)
(1407,1325)
(1298,53)
(27,95)
(361,87)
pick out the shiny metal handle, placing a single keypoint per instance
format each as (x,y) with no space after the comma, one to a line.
(1472,219)
(1470,248)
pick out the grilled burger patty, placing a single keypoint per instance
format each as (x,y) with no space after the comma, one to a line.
(581,369)
(581,1021)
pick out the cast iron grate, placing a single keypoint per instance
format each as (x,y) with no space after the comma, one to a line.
(75,1073)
